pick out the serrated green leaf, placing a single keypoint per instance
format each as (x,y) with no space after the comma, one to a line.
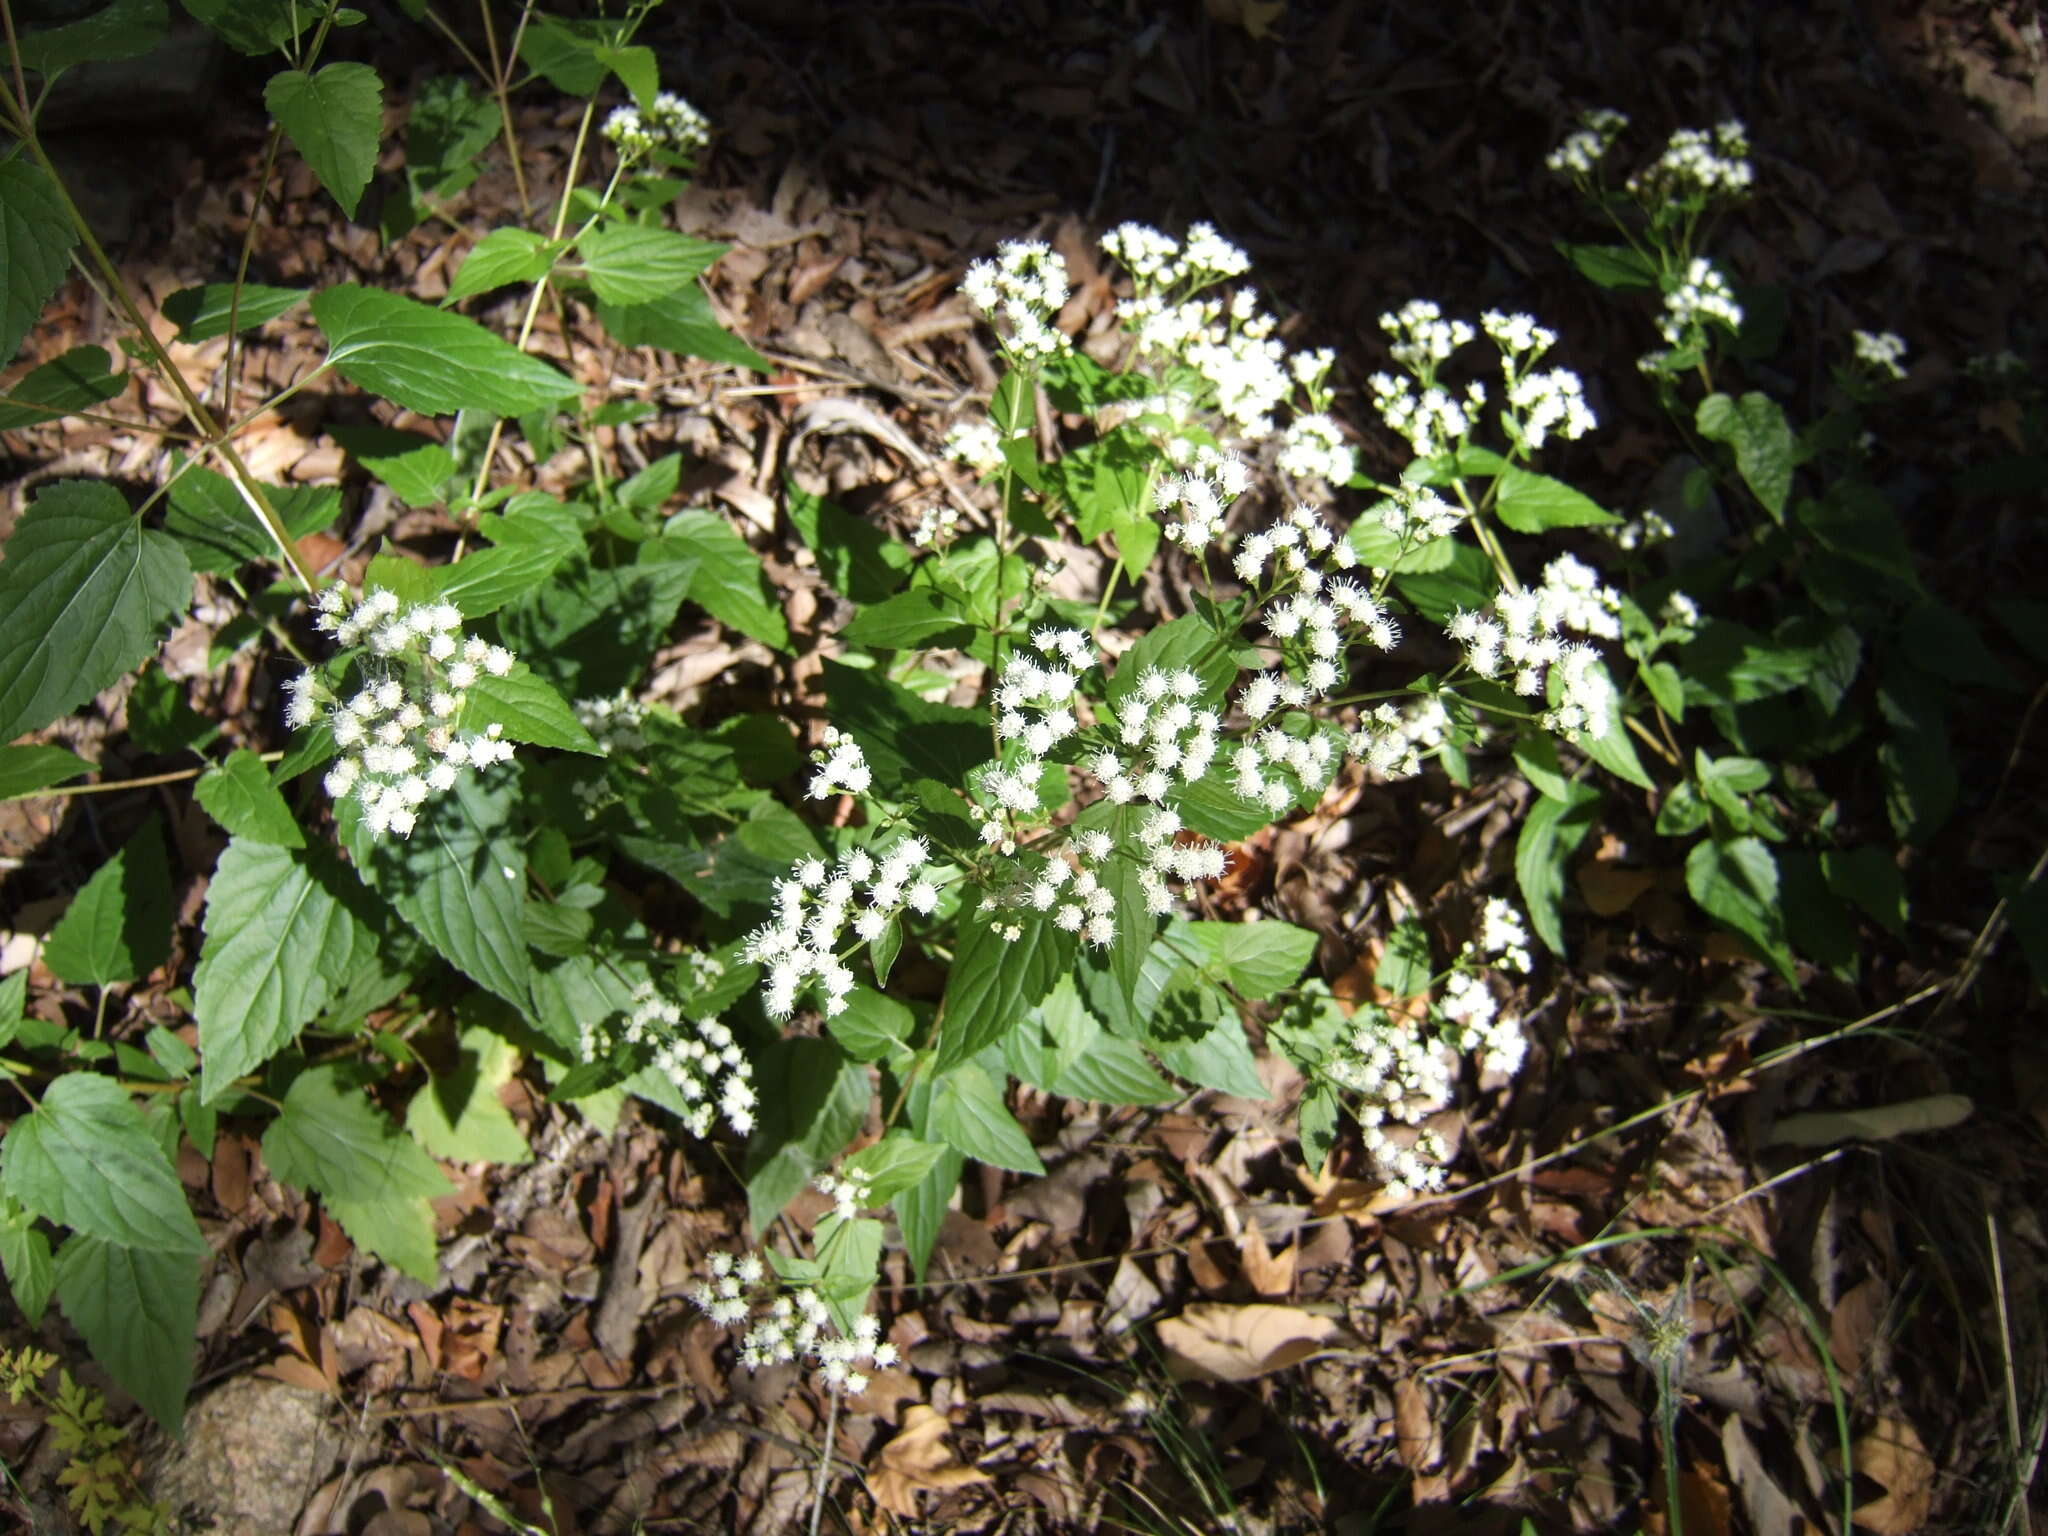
(427,359)
(1736,880)
(239,795)
(1316,1126)
(1610,266)
(813,1098)
(334,119)
(915,620)
(77,381)
(529,710)
(201,313)
(856,558)
(921,1209)
(1219,1057)
(374,1178)
(124,29)
(630,264)
(892,1165)
(416,468)
(25,1255)
(905,737)
(283,929)
(138,1310)
(682,323)
(220,532)
(254,27)
(1550,833)
(83,591)
(996,977)
(509,255)
(1255,959)
(1404,968)
(1183,643)
(26,769)
(459,881)
(967,1113)
(1533,503)
(36,237)
(729,583)
(119,927)
(1615,749)
(450,127)
(458,1116)
(85,1159)
(564,52)
(872,1026)
(1869,876)
(1756,429)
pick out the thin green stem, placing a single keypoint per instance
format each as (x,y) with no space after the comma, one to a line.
(825,1462)
(500,81)
(66,413)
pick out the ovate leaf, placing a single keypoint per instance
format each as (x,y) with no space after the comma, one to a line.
(1005,962)
(967,1113)
(509,255)
(124,29)
(528,709)
(239,795)
(220,532)
(813,1097)
(254,27)
(1736,880)
(84,1158)
(729,582)
(35,247)
(1532,503)
(1756,429)
(119,927)
(83,591)
(333,118)
(77,381)
(375,1179)
(24,770)
(630,264)
(682,323)
(25,1254)
(427,359)
(1553,829)
(202,313)
(138,1310)
(459,1116)
(283,930)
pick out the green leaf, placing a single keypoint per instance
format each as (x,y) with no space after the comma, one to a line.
(856,558)
(427,359)
(1610,266)
(629,264)
(996,977)
(416,468)
(450,127)
(374,1178)
(682,323)
(1533,503)
(36,237)
(334,119)
(1858,522)
(1615,750)
(1921,784)
(1467,580)
(200,314)
(219,530)
(893,1164)
(528,709)
(905,737)
(872,1026)
(1536,756)
(729,583)
(159,718)
(83,591)
(1756,429)
(1818,923)
(1869,876)
(24,770)
(921,1209)
(1550,833)
(1184,643)
(254,27)
(239,795)
(25,1255)
(125,29)
(813,1099)
(138,1311)
(458,1116)
(1736,880)
(284,931)
(459,881)
(77,381)
(914,620)
(565,53)
(1317,1125)
(1255,959)
(503,256)
(1219,1057)
(84,1158)
(1404,967)
(967,1113)
(119,927)
(593,630)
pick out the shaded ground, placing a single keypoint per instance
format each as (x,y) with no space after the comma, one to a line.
(1364,155)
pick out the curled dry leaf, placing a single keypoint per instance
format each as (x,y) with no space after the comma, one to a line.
(918,1461)
(1213,1342)
(1892,1455)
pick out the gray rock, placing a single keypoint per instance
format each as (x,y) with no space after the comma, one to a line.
(254,1452)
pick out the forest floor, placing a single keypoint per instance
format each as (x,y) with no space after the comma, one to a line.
(1093,1349)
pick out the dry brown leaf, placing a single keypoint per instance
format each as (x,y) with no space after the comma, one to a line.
(1213,1342)
(1417,1440)
(1271,1274)
(1257,17)
(918,1461)
(1611,889)
(1892,1456)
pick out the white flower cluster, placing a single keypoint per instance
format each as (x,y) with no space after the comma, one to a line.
(1882,353)
(615,722)
(1545,401)
(1402,1077)
(1430,419)
(1586,146)
(1387,743)
(1310,602)
(1173,853)
(1502,936)
(849,1194)
(1073,894)
(936,527)
(1526,635)
(1033,705)
(1155,260)
(701,1058)
(975,444)
(397,737)
(1641,532)
(1212,482)
(1313,448)
(1423,337)
(1416,515)
(842,767)
(1275,768)
(671,123)
(1704,298)
(1698,163)
(1021,292)
(1165,735)
(814,905)
(796,1325)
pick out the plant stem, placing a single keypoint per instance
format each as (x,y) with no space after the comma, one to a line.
(825,1462)
(501,86)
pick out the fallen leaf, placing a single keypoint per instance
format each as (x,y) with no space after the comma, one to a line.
(1255,16)
(916,1460)
(1271,1274)
(1936,1112)
(1892,1456)
(1417,1440)
(1611,889)
(1768,1506)
(1213,1342)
